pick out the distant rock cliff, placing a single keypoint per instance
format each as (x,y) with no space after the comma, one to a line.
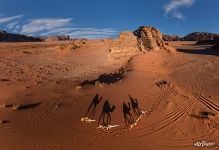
(171,37)
(200,36)
(9,37)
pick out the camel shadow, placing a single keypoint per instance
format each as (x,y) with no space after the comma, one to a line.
(135,107)
(105,115)
(129,119)
(92,108)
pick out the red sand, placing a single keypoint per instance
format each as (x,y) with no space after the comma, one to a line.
(42,104)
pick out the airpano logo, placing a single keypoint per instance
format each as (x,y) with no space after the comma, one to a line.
(204,144)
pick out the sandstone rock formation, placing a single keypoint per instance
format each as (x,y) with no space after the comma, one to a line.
(57,38)
(149,38)
(200,36)
(9,37)
(171,37)
(129,44)
(125,46)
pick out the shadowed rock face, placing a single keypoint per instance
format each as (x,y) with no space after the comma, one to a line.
(9,37)
(149,38)
(171,37)
(200,36)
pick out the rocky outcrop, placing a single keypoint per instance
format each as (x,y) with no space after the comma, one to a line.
(208,42)
(9,37)
(149,38)
(57,38)
(200,36)
(124,47)
(171,37)
(212,42)
(129,44)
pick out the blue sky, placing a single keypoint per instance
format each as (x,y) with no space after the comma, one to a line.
(106,18)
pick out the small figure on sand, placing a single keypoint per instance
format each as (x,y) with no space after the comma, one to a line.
(106,120)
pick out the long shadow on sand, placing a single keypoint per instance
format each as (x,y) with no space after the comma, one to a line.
(106,78)
(4,121)
(135,106)
(207,51)
(105,115)
(92,108)
(28,106)
(203,115)
(129,119)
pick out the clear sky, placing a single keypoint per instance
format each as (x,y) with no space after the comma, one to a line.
(106,18)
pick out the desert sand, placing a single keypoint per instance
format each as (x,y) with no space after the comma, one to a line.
(47,88)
